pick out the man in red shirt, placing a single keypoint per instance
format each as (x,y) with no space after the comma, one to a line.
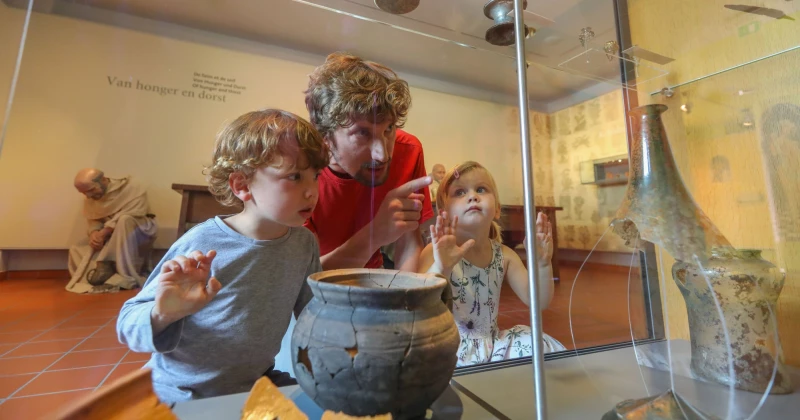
(375,190)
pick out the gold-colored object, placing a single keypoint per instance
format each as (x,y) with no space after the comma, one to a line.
(657,207)
(667,406)
(611,48)
(267,402)
(129,397)
(397,7)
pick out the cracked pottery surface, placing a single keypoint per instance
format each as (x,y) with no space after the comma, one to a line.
(375,341)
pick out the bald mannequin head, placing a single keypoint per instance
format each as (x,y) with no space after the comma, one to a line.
(92,183)
(438,172)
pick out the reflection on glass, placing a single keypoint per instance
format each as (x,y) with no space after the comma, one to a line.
(12,36)
(730,88)
(140,89)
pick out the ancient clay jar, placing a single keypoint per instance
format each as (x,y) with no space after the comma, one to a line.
(747,289)
(375,341)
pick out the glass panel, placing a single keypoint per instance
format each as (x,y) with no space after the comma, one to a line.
(731,97)
(714,36)
(143,89)
(12,35)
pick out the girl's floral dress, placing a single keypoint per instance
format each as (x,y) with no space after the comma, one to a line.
(476,295)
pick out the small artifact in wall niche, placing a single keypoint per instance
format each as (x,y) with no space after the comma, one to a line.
(666,406)
(658,208)
(381,341)
(397,7)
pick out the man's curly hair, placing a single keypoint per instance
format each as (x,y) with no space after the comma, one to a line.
(257,139)
(347,88)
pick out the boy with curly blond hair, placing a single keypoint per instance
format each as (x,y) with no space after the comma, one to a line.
(214,322)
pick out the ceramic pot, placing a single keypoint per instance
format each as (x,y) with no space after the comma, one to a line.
(375,341)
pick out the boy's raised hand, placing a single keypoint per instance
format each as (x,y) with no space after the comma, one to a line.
(446,252)
(184,287)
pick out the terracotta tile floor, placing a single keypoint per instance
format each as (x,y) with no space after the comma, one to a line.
(599,307)
(56,346)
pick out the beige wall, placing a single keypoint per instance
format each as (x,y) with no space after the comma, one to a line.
(705,38)
(591,130)
(66,116)
(11,25)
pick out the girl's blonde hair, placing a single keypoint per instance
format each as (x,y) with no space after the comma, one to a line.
(257,139)
(461,169)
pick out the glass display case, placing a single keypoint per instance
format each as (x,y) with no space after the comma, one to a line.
(143,89)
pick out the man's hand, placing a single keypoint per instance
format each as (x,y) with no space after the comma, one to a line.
(98,238)
(400,212)
(183,288)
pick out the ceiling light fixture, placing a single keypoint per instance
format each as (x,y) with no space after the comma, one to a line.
(397,7)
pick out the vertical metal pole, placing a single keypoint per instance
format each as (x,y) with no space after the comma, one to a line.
(15,77)
(530,214)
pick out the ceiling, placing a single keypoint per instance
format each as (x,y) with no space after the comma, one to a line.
(441,39)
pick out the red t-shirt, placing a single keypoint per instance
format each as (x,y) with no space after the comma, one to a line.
(345,205)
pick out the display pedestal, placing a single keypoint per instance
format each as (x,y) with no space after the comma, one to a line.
(577,388)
